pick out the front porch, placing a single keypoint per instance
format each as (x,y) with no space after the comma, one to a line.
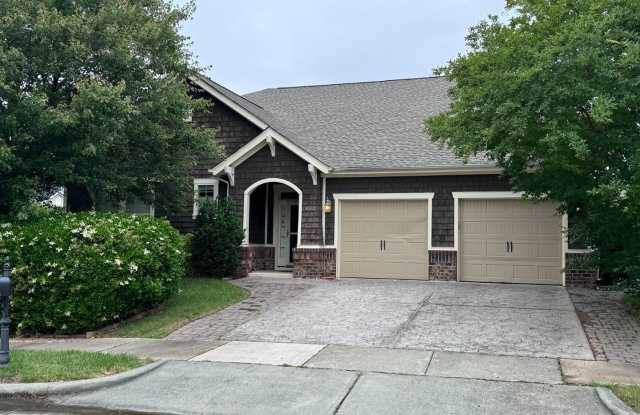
(272,220)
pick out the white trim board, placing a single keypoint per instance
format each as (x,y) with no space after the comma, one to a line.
(196,79)
(261,140)
(339,197)
(435,171)
(246,206)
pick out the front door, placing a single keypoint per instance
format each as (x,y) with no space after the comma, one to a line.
(287,232)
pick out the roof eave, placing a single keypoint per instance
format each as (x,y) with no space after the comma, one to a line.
(204,83)
(431,171)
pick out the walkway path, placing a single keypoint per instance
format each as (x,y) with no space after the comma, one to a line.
(613,333)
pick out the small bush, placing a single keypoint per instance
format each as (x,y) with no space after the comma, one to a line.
(78,272)
(215,246)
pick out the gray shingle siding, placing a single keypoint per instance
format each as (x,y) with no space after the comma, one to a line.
(233,131)
(441,186)
(285,165)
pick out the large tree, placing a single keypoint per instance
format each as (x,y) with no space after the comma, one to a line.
(93,96)
(551,92)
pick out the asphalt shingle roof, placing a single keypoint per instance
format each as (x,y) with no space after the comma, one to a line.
(359,126)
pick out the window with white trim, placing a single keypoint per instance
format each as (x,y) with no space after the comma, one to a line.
(204,190)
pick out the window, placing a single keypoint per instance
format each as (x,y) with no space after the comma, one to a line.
(204,189)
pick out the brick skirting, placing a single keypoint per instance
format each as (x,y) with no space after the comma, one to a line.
(256,258)
(314,263)
(321,263)
(443,265)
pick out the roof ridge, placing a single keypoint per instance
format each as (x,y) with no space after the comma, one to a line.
(358,82)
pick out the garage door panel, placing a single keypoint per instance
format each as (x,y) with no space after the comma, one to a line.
(496,229)
(498,271)
(524,249)
(534,229)
(404,269)
(496,249)
(474,247)
(402,224)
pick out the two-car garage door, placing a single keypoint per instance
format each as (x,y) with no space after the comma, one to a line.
(500,240)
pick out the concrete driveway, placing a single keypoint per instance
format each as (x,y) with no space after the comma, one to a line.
(523,320)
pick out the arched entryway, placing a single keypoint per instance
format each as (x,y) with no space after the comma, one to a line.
(272,217)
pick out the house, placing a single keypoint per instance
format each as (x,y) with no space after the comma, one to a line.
(341,181)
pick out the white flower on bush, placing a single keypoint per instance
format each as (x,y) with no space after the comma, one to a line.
(117,261)
(5,225)
(133,267)
(146,251)
(67,313)
(88,233)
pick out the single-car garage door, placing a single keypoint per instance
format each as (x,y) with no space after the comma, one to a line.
(515,241)
(383,239)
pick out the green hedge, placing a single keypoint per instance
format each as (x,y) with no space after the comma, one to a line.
(77,272)
(216,241)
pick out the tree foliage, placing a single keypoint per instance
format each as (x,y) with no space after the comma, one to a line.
(552,94)
(93,95)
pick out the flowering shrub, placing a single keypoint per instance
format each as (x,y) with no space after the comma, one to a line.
(77,272)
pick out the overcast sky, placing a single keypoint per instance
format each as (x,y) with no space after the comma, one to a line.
(256,44)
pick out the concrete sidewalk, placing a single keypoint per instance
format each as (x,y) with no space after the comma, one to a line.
(358,359)
(231,388)
(282,378)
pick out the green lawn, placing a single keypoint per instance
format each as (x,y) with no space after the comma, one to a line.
(197,298)
(629,394)
(634,302)
(49,366)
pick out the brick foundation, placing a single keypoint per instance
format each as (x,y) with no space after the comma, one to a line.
(256,258)
(580,271)
(314,263)
(443,265)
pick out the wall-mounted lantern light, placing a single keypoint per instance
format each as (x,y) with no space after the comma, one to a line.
(328,206)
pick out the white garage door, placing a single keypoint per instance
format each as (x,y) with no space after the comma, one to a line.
(383,239)
(513,241)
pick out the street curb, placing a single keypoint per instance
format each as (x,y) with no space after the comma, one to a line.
(76,386)
(613,403)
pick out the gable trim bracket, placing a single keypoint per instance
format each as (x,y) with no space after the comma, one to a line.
(272,145)
(314,174)
(231,173)
(261,140)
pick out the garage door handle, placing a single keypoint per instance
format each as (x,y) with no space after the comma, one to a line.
(384,244)
(380,244)
(507,244)
(511,246)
